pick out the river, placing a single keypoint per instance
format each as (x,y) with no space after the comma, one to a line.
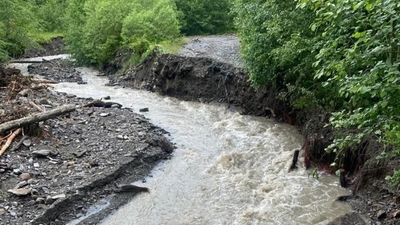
(228,168)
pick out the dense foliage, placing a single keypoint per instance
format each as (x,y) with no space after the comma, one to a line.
(341,56)
(205,16)
(98,29)
(16,23)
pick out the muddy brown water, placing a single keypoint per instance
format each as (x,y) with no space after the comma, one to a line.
(228,168)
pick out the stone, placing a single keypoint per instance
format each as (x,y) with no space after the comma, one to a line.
(19,191)
(381,214)
(27,142)
(42,152)
(25,176)
(107,98)
(104,114)
(58,196)
(144,110)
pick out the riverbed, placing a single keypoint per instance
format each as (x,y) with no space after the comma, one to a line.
(228,168)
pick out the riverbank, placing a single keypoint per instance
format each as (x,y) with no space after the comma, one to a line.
(53,174)
(205,80)
(208,78)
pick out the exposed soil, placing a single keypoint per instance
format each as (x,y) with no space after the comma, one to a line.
(90,154)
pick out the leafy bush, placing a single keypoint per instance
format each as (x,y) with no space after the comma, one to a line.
(17,24)
(98,29)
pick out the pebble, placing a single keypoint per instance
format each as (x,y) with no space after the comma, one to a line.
(107,98)
(17,171)
(381,214)
(2,211)
(25,176)
(36,165)
(144,110)
(104,114)
(41,152)
(27,142)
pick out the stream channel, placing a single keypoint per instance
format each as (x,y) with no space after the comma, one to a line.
(227,169)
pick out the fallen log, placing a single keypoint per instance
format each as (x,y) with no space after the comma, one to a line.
(36,118)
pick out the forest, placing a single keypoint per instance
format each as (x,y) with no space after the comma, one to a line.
(339,58)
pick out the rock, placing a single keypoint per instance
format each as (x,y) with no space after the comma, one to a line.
(104,114)
(71,96)
(381,214)
(21,184)
(44,101)
(25,176)
(348,218)
(36,165)
(20,191)
(107,98)
(80,153)
(27,142)
(396,214)
(42,152)
(16,171)
(2,211)
(131,188)
(144,110)
(55,197)
(116,106)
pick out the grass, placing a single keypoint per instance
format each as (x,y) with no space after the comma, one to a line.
(46,36)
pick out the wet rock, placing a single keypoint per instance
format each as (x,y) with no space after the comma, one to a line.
(144,110)
(2,211)
(107,98)
(104,114)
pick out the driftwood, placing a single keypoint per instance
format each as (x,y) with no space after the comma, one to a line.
(9,140)
(36,118)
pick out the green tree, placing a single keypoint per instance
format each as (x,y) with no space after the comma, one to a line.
(98,29)
(17,27)
(205,16)
(278,48)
